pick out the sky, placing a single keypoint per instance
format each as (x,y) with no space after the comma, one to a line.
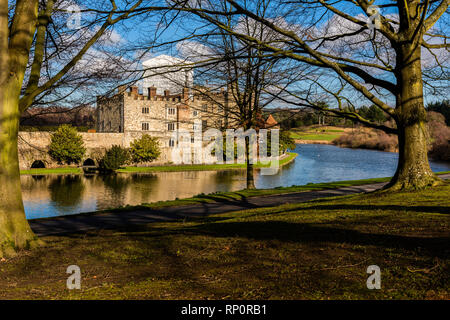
(137,34)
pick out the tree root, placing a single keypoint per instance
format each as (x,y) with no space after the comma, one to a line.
(9,250)
(413,184)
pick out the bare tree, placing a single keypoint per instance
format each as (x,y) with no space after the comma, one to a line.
(250,77)
(40,52)
(357,54)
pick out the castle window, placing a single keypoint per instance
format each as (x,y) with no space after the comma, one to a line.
(171,126)
(204,123)
(205,108)
(195,113)
(145,126)
(171,111)
(145,110)
(171,143)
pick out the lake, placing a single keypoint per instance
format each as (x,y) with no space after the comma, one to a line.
(56,195)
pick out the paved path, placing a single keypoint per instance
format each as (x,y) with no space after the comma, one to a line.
(76,223)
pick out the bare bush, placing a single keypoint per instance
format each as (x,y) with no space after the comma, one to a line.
(439,138)
(368,139)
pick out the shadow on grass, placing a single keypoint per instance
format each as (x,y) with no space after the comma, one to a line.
(318,235)
(418,209)
(314,234)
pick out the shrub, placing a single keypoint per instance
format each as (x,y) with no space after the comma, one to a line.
(286,141)
(145,149)
(440,136)
(113,159)
(66,145)
(368,139)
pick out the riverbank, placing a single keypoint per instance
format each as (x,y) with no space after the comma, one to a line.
(243,195)
(44,171)
(284,160)
(258,253)
(238,196)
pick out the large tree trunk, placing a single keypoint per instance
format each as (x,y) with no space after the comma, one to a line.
(15,232)
(16,37)
(413,171)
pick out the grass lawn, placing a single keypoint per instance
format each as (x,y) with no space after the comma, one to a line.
(321,133)
(319,136)
(52,171)
(315,250)
(209,167)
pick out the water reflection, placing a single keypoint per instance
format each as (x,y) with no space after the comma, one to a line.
(66,191)
(53,195)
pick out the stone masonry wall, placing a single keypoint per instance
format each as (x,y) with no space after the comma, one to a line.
(33,146)
(109,114)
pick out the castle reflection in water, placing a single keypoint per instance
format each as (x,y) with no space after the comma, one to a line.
(55,195)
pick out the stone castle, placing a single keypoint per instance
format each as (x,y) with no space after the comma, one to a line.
(129,111)
(128,114)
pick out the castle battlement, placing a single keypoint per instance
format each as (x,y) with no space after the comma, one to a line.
(186,95)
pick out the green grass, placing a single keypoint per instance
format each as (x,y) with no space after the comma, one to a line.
(210,167)
(316,133)
(323,137)
(45,171)
(315,250)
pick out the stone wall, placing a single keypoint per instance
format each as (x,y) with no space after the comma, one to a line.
(33,146)
(110,114)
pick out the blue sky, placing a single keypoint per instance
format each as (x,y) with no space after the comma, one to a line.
(134,32)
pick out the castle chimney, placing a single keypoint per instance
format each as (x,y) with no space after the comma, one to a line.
(151,92)
(134,91)
(185,94)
